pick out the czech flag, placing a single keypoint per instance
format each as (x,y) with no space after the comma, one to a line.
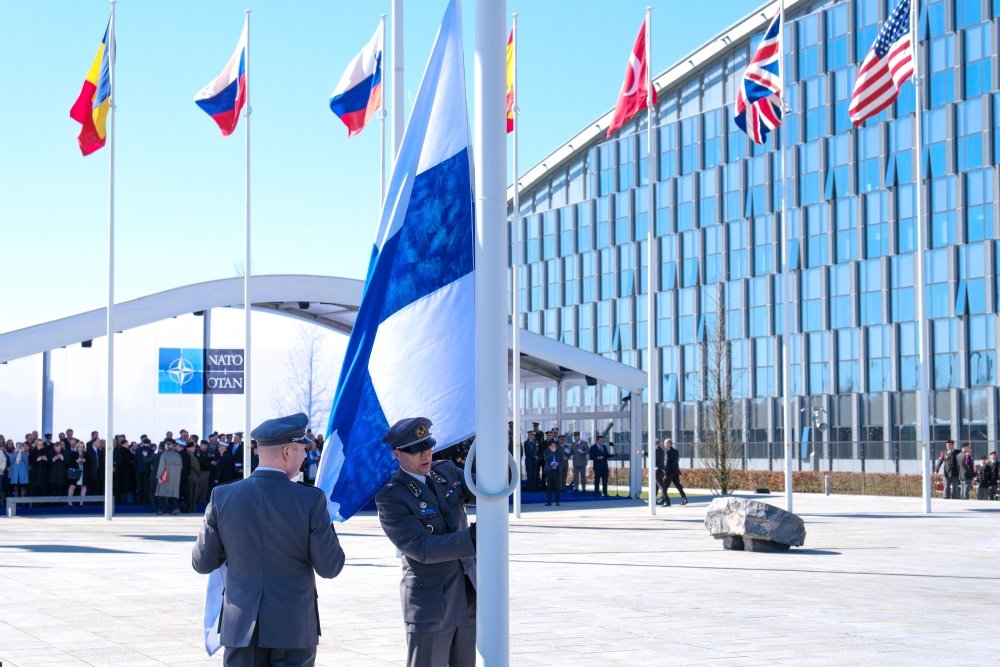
(223,98)
(359,94)
(91,107)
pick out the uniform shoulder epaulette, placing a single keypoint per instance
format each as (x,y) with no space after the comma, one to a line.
(391,483)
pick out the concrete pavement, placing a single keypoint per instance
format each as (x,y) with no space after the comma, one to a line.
(594,583)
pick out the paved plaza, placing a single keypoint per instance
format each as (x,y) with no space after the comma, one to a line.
(877,583)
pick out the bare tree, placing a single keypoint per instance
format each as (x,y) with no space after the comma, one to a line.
(309,382)
(720,430)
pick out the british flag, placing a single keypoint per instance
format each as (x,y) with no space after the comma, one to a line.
(758,100)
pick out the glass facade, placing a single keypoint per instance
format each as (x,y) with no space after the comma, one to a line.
(851,218)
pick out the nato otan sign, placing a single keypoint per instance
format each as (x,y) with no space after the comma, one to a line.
(200,371)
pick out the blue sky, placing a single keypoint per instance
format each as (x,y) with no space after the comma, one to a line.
(179,185)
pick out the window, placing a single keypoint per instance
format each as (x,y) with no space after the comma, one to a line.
(685,203)
(604,327)
(641,325)
(936,134)
(819,362)
(714,257)
(607,256)
(847,229)
(537,277)
(996,124)
(665,334)
(668,261)
(970,134)
(584,226)
(899,168)
(712,145)
(979,204)
(732,175)
(764,367)
(978,49)
(869,158)
(759,294)
(843,89)
(571,281)
(878,355)
(902,288)
(626,162)
(982,350)
(812,299)
(568,329)
(942,69)
(641,227)
(668,369)
(737,249)
(690,255)
(567,231)
(686,325)
(763,245)
(532,238)
(586,327)
(906,231)
(838,176)
(623,337)
(815,108)
(756,202)
(603,227)
(739,361)
(558,188)
(836,37)
(623,217)
(550,234)
(606,173)
(848,358)
(866,26)
(692,372)
(554,284)
(818,234)
(665,207)
(794,352)
(627,276)
(588,283)
(871,291)
(809,173)
(708,197)
(908,356)
(944,228)
(841,296)
(945,353)
(690,145)
(971,298)
(876,224)
(968,12)
(668,150)
(808,41)
(937,292)
(577,186)
(735,310)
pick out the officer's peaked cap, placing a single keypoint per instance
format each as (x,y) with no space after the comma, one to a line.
(412,435)
(282,431)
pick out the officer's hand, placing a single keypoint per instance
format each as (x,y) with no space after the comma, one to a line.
(472,532)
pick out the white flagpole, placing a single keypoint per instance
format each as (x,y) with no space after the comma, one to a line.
(396,102)
(247,302)
(787,290)
(381,122)
(489,149)
(652,376)
(109,439)
(515,283)
(923,325)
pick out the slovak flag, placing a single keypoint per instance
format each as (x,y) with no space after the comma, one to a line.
(412,350)
(758,99)
(359,94)
(223,98)
(635,93)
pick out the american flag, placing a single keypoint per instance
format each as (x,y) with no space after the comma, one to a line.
(886,67)
(758,100)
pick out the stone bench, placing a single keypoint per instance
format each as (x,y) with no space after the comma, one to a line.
(14,501)
(751,525)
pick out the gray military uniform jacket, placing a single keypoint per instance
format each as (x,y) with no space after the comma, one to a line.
(427,523)
(272,533)
(581,454)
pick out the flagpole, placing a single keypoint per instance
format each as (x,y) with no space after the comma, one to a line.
(515,283)
(109,442)
(651,365)
(787,290)
(381,121)
(489,149)
(923,325)
(246,445)
(396,102)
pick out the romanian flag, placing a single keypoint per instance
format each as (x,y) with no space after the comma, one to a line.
(510,82)
(224,96)
(91,107)
(359,94)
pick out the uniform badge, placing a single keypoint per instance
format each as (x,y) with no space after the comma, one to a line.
(437,477)
(423,504)
(414,489)
(421,431)
(429,528)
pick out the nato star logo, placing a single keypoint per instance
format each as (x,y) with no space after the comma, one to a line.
(181,371)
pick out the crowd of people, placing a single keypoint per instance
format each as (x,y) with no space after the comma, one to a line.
(174,475)
(962,473)
(549,456)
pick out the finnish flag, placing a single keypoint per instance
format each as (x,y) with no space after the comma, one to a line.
(411,353)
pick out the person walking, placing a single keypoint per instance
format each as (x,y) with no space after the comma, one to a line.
(966,470)
(673,472)
(274,536)
(947,464)
(422,511)
(661,475)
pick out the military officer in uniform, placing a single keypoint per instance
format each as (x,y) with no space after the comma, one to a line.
(422,510)
(273,534)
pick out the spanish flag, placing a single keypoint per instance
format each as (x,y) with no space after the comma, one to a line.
(510,82)
(91,107)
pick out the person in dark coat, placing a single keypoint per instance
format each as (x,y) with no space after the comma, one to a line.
(226,467)
(141,462)
(38,470)
(57,470)
(532,456)
(661,475)
(274,536)
(555,476)
(599,454)
(673,472)
(422,511)
(93,471)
